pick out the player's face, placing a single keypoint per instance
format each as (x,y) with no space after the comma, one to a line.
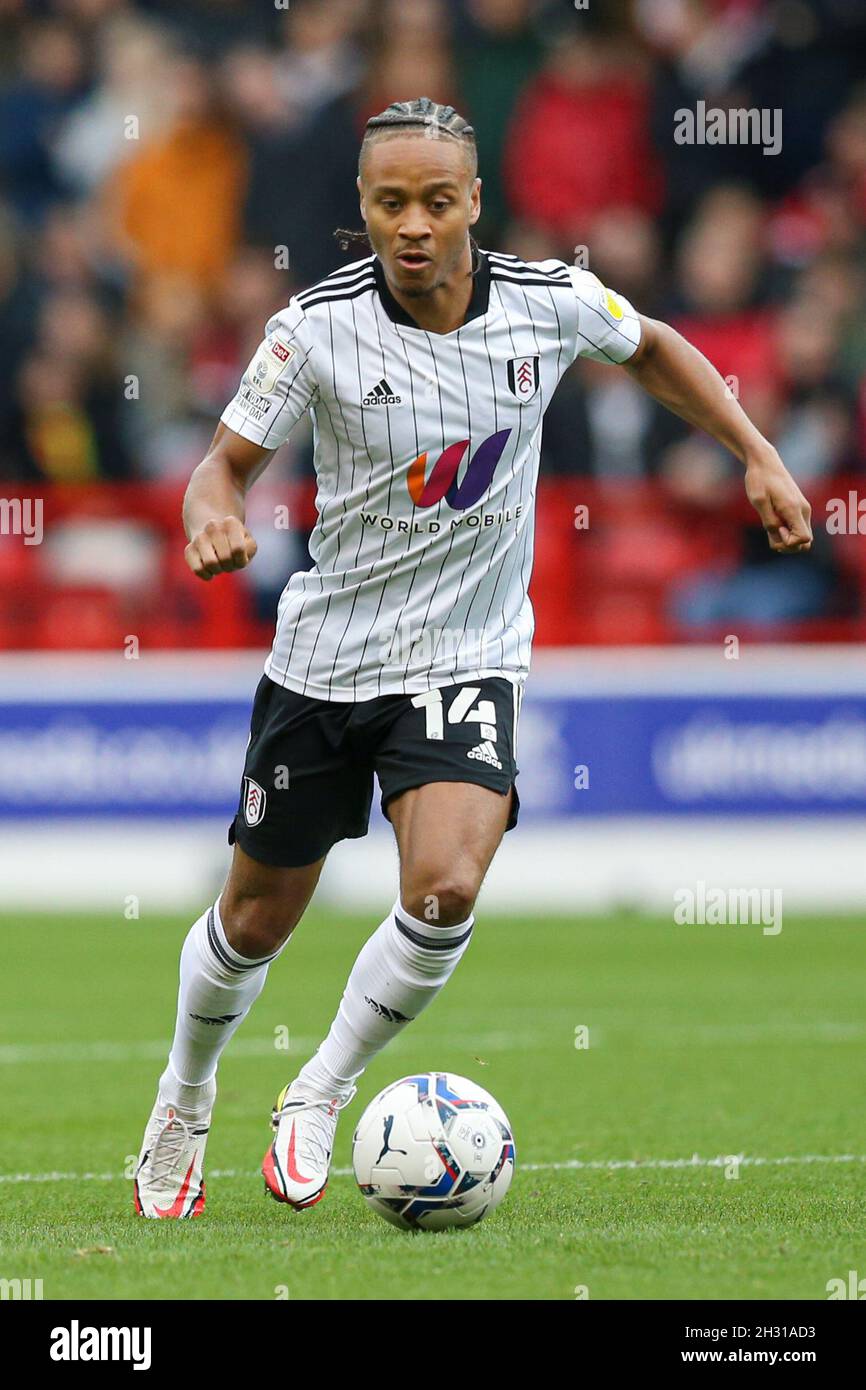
(418,199)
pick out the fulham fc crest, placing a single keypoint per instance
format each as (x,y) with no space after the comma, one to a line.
(523,377)
(254,801)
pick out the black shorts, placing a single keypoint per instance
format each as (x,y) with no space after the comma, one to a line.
(308,775)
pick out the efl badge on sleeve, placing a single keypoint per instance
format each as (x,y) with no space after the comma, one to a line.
(523,377)
(254,802)
(269,364)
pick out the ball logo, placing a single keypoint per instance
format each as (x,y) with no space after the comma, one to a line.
(254,801)
(443,477)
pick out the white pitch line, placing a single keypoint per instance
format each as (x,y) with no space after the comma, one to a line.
(564,1165)
(14,1054)
(145,1050)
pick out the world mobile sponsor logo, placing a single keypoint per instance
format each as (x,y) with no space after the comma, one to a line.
(471,522)
(442,482)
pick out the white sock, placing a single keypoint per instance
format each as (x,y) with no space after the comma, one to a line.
(399,971)
(218,987)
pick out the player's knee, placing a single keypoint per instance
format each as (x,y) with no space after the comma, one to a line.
(441,899)
(256,926)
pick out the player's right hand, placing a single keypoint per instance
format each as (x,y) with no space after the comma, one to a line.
(220,547)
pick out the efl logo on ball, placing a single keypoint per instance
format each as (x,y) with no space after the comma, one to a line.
(254,802)
(433,1151)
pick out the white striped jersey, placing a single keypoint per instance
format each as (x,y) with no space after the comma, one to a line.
(426,458)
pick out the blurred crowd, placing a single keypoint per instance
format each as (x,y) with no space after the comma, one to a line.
(171,173)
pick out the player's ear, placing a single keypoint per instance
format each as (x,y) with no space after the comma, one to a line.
(475,202)
(360,188)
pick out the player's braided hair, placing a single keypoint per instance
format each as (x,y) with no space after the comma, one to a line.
(430,117)
(423,117)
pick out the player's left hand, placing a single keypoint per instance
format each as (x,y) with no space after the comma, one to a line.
(780,504)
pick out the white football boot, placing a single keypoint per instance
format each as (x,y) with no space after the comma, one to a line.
(296,1165)
(168,1182)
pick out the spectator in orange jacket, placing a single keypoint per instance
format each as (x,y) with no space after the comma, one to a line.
(176,204)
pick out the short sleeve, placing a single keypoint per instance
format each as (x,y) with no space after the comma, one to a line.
(279,384)
(608,328)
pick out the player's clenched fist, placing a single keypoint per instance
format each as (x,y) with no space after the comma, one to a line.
(784,511)
(220,547)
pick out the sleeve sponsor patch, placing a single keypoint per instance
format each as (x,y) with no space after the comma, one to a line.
(268,364)
(608,328)
(612,304)
(251,402)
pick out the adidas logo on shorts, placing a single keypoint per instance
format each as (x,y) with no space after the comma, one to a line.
(486,753)
(382,395)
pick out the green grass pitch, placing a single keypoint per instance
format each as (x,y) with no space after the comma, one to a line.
(702,1040)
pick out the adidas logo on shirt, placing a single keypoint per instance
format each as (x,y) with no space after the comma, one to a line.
(382,395)
(486,753)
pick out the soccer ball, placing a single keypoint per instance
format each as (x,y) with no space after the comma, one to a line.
(433,1151)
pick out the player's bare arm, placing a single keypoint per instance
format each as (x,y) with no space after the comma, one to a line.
(213,508)
(676,374)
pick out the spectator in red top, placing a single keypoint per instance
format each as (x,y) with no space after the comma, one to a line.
(721,283)
(578,141)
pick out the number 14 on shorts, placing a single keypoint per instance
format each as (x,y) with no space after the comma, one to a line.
(460,711)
